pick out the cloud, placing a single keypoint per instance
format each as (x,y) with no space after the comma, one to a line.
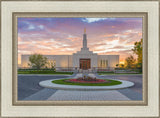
(19,39)
(31,27)
(118,47)
(90,20)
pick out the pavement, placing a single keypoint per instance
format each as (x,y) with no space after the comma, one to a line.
(88,95)
(29,89)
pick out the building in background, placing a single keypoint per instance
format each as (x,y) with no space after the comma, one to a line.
(82,60)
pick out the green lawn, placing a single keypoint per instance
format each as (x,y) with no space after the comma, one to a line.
(111,83)
(112,73)
(45,72)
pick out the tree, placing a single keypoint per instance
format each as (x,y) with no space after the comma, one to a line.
(37,61)
(130,62)
(117,65)
(121,65)
(51,64)
(138,50)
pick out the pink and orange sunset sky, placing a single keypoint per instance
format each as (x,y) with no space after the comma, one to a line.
(61,36)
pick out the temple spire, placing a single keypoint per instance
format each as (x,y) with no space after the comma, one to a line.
(84,39)
(84,30)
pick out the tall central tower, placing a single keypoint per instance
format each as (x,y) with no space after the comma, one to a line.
(84,40)
(85,59)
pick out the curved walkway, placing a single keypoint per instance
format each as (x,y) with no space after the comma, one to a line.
(49,84)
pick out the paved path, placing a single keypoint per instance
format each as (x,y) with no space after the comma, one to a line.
(87,95)
(43,94)
(28,89)
(28,85)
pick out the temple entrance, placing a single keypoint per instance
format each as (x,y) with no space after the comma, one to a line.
(85,64)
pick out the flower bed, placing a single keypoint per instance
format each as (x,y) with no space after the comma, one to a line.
(98,82)
(85,81)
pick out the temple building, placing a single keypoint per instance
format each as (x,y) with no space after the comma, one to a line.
(83,59)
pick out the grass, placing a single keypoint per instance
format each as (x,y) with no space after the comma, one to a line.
(44,72)
(111,83)
(112,73)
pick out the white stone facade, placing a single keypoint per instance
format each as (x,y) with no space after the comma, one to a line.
(65,61)
(60,60)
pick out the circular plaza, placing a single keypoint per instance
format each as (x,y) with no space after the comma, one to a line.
(98,84)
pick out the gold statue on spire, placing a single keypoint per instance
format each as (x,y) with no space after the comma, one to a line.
(84,30)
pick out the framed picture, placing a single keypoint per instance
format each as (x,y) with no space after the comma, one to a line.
(70,58)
